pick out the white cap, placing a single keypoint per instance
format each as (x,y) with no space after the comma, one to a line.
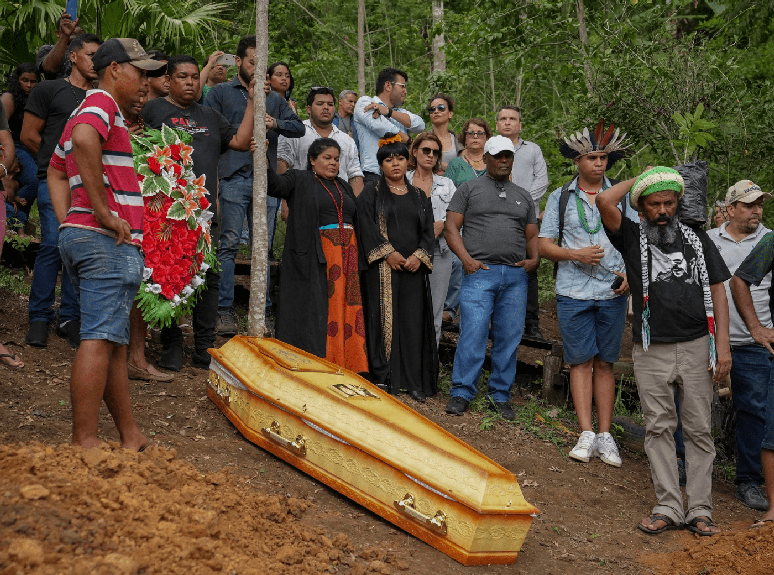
(498,144)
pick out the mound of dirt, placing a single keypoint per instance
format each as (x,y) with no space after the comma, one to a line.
(110,511)
(750,552)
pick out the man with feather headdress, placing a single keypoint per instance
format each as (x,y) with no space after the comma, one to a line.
(591,285)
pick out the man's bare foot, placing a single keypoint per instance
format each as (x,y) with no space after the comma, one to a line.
(137,442)
(10,359)
(147,372)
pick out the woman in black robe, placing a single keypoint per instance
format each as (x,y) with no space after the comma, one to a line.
(396,232)
(320,306)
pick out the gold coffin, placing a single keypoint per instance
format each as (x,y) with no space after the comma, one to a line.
(365,444)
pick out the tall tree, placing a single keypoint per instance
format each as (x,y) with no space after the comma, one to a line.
(256,325)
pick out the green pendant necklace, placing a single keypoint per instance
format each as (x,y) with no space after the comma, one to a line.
(582,216)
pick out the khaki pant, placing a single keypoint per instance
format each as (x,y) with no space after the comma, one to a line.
(657,371)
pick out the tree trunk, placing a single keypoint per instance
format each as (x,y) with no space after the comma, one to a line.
(584,38)
(256,325)
(439,57)
(361,86)
(492,83)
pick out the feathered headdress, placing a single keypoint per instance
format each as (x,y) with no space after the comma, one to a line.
(607,141)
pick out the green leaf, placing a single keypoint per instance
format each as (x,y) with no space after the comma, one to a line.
(168,135)
(176,211)
(163,184)
(704,125)
(191,223)
(680,120)
(699,111)
(144,170)
(149,187)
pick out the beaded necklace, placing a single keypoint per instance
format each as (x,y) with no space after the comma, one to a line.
(339,208)
(582,215)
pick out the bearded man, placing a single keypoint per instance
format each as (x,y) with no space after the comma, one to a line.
(680,326)
(235,171)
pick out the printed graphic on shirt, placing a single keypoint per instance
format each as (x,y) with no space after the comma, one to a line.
(189,125)
(673,267)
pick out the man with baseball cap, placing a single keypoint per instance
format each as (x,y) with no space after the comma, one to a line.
(497,251)
(101,236)
(751,370)
(680,326)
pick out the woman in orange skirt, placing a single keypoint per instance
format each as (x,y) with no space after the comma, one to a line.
(320,308)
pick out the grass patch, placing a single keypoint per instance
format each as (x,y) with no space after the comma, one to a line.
(14,280)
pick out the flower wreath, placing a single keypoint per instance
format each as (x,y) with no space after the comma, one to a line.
(176,230)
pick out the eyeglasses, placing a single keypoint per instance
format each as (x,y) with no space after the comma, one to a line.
(427,150)
(399,84)
(478,134)
(439,107)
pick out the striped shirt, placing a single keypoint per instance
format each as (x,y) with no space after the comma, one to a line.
(122,189)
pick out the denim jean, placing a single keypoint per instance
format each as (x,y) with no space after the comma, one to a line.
(204,316)
(452,303)
(28,186)
(235,204)
(107,278)
(499,295)
(47,266)
(751,372)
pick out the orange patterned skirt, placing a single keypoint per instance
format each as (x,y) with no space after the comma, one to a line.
(346,344)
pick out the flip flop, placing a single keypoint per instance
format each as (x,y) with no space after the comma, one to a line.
(693,526)
(146,446)
(12,357)
(761,523)
(145,375)
(670,524)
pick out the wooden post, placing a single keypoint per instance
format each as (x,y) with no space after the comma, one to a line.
(256,325)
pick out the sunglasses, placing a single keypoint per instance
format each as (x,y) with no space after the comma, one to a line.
(426,150)
(439,107)
(478,134)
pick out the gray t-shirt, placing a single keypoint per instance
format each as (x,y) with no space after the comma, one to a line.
(495,216)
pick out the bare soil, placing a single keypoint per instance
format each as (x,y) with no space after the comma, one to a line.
(204,500)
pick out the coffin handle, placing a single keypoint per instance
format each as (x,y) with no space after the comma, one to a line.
(298,447)
(407,507)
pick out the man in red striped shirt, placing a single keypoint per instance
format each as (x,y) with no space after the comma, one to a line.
(97,200)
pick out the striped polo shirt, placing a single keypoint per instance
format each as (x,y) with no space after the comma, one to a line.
(122,189)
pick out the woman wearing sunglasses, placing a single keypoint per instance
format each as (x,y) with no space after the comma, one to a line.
(441,110)
(396,223)
(467,166)
(425,167)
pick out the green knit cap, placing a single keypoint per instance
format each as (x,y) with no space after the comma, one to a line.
(655,180)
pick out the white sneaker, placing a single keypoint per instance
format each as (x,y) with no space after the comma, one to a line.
(606,449)
(584,449)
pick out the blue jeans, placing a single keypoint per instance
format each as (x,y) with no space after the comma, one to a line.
(452,303)
(28,186)
(236,203)
(107,277)
(751,374)
(47,266)
(499,295)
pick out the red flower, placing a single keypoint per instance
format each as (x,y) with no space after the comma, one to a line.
(175,149)
(140,178)
(182,183)
(154,164)
(176,169)
(204,202)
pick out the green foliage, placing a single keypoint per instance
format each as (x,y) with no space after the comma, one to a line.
(13,280)
(694,132)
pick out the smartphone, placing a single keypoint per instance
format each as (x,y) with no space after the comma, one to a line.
(226,60)
(617,283)
(71,8)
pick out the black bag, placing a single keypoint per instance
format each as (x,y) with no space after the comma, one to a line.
(692,209)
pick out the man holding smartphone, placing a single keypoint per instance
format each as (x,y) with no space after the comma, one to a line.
(591,288)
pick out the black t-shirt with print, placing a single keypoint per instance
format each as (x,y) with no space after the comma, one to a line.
(211,133)
(675,294)
(52,101)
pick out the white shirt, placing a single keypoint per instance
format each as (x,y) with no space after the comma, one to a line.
(294,151)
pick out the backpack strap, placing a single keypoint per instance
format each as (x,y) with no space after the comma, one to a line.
(564,197)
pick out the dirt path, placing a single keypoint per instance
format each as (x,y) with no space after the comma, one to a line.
(138,514)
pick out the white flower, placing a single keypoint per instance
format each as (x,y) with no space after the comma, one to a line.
(205,267)
(155,288)
(187,291)
(205,217)
(196,281)
(147,273)
(176,300)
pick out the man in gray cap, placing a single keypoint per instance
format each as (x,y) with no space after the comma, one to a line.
(101,236)
(751,369)
(498,250)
